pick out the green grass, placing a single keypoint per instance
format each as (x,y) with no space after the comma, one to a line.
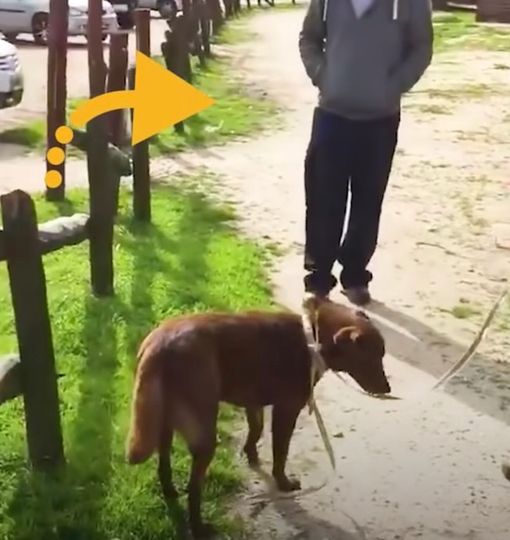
(190,259)
(32,135)
(465,310)
(236,113)
(237,31)
(504,317)
(460,31)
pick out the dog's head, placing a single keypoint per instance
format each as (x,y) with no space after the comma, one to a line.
(351,343)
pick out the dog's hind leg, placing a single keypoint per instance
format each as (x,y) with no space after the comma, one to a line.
(201,441)
(255,417)
(165,463)
(284,422)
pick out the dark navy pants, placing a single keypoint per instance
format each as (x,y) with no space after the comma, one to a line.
(345,155)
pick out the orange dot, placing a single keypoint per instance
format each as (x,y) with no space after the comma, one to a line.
(53,179)
(56,155)
(64,134)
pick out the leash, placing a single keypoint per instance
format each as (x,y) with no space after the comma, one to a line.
(317,369)
(451,372)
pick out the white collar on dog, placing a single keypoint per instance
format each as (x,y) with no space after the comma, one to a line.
(318,364)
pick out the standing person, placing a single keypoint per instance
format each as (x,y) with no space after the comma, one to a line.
(375,51)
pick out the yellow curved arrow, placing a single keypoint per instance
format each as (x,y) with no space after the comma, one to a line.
(160,100)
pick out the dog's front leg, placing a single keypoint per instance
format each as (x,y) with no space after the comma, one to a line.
(284,422)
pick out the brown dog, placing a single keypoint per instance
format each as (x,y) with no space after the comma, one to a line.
(189,364)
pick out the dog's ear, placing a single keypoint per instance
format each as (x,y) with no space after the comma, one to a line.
(349,334)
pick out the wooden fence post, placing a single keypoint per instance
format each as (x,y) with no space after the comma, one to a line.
(205,29)
(141,163)
(101,218)
(440,5)
(117,77)
(29,300)
(229,8)
(216,15)
(175,51)
(57,87)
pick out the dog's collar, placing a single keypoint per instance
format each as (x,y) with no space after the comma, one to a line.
(318,365)
(317,369)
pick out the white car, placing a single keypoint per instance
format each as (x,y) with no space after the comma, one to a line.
(31,16)
(165,7)
(11,77)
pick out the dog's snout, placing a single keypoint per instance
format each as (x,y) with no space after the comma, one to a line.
(382,386)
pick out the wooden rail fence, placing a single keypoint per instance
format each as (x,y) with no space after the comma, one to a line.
(32,373)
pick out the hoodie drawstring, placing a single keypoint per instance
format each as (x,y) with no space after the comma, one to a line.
(324,11)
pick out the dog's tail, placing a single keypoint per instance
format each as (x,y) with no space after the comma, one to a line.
(146,409)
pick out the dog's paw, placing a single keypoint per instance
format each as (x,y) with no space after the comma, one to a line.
(288,484)
(203,531)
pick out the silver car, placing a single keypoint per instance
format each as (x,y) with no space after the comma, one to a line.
(31,17)
(165,7)
(11,77)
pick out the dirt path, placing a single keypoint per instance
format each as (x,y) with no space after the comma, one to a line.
(428,467)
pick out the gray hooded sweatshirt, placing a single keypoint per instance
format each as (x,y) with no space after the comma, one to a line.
(363,65)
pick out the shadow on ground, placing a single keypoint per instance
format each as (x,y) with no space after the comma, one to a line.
(72,503)
(483,385)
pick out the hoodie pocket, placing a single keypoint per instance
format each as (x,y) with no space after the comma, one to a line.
(393,92)
(359,95)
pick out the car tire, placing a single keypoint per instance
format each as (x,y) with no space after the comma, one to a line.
(40,28)
(166,8)
(125,20)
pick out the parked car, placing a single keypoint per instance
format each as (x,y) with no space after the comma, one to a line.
(125,12)
(165,7)
(11,76)
(31,16)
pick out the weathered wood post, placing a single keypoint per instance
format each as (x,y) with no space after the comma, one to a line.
(119,165)
(229,8)
(33,328)
(440,5)
(205,27)
(194,29)
(175,52)
(216,15)
(141,162)
(117,78)
(57,87)
(101,217)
